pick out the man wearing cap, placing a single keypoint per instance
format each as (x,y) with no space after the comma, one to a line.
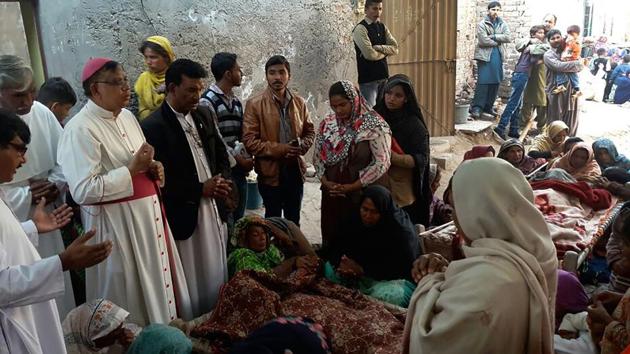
(111,173)
(40,178)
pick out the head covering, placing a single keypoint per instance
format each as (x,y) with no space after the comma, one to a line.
(527,164)
(335,137)
(618,160)
(509,240)
(478,151)
(92,66)
(591,169)
(165,44)
(295,334)
(386,251)
(571,297)
(544,142)
(160,339)
(239,233)
(149,99)
(90,321)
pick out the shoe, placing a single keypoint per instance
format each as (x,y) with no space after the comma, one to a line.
(498,133)
(559,89)
(533,132)
(577,94)
(475,113)
(488,116)
(514,135)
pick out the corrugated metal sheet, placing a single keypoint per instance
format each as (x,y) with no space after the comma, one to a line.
(426,31)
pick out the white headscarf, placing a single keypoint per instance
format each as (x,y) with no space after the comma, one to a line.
(89,322)
(494,206)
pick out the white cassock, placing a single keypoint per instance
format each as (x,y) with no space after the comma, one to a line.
(29,320)
(204,253)
(41,164)
(143,274)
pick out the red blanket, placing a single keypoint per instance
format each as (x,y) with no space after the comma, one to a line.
(597,199)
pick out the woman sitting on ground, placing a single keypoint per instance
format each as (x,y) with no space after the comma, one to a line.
(500,298)
(252,237)
(409,172)
(98,326)
(549,144)
(614,166)
(158,55)
(378,250)
(352,151)
(579,163)
(513,152)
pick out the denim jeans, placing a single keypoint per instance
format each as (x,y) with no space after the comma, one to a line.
(563,78)
(511,113)
(369,91)
(286,197)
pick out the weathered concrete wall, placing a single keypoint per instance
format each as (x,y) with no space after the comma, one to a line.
(315,36)
(466,40)
(12,37)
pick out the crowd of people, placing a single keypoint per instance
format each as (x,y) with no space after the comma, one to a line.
(126,232)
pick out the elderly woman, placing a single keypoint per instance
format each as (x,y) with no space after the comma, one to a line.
(252,237)
(158,55)
(579,163)
(513,152)
(409,172)
(493,35)
(548,145)
(501,297)
(352,151)
(98,326)
(378,249)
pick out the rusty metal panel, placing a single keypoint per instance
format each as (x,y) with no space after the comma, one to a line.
(426,31)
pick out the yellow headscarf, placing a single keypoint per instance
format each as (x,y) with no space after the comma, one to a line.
(544,142)
(146,87)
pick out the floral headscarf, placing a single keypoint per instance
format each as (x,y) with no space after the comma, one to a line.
(335,138)
(89,322)
(239,234)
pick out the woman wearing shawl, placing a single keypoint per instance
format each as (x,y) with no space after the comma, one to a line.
(158,55)
(409,171)
(97,326)
(352,151)
(501,297)
(548,145)
(513,152)
(615,167)
(579,163)
(378,249)
(255,251)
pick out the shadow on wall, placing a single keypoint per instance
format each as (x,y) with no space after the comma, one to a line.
(314,36)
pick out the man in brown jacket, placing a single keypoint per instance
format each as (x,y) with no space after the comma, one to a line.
(277,131)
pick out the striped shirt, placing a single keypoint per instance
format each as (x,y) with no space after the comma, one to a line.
(229,113)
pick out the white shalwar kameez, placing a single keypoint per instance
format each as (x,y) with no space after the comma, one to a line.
(29,321)
(41,164)
(204,253)
(95,150)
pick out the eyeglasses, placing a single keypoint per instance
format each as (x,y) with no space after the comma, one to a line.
(20,148)
(118,83)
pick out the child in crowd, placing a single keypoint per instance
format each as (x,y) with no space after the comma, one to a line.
(571,52)
(57,94)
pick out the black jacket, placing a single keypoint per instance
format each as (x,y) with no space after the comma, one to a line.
(182,191)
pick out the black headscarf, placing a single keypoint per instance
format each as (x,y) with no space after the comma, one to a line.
(387,250)
(410,131)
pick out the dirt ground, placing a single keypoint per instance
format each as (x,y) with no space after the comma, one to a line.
(596,120)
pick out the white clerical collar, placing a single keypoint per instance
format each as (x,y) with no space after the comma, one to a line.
(369,21)
(100,111)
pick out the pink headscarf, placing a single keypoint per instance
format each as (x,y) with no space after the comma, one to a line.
(591,169)
(478,151)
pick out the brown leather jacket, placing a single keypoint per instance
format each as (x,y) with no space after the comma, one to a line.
(261,127)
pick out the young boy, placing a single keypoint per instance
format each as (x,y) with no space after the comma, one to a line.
(571,52)
(57,94)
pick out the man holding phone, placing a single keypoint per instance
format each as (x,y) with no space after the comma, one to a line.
(278,131)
